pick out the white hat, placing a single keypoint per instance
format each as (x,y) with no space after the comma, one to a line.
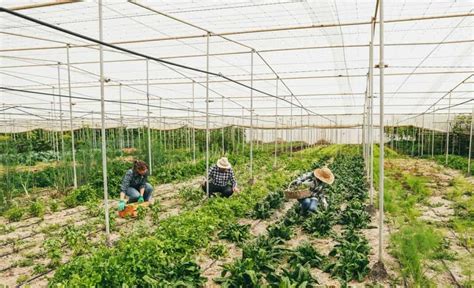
(223,163)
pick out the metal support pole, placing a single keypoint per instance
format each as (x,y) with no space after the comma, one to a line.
(251,116)
(470,145)
(447,127)
(60,112)
(382,134)
(371,118)
(121,119)
(194,129)
(222,122)
(276,123)
(150,160)
(433,134)
(291,125)
(74,172)
(207,115)
(422,132)
(102,117)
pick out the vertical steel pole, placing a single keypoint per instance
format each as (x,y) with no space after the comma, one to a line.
(102,117)
(207,115)
(470,144)
(222,122)
(74,172)
(150,160)
(121,118)
(276,122)
(422,136)
(381,163)
(433,134)
(371,118)
(60,111)
(194,129)
(291,125)
(251,116)
(364,148)
(447,127)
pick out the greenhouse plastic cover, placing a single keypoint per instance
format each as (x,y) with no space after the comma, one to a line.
(428,53)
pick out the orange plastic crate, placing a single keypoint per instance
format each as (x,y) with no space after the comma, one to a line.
(131,209)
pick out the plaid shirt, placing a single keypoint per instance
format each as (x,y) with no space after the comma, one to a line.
(219,178)
(308,179)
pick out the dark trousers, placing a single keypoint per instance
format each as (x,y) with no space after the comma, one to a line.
(224,191)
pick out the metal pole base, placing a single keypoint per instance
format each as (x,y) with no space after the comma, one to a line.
(378,272)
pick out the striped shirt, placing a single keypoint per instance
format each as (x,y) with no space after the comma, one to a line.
(219,178)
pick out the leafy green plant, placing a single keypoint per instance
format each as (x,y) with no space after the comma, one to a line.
(155,211)
(54,206)
(262,210)
(241,273)
(280,230)
(235,232)
(37,209)
(217,251)
(355,216)
(52,247)
(14,214)
(304,254)
(320,222)
(141,212)
(76,239)
(351,254)
(297,276)
(81,195)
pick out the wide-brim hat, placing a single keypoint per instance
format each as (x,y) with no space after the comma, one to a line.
(324,174)
(223,163)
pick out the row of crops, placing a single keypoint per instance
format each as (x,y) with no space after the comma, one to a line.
(165,256)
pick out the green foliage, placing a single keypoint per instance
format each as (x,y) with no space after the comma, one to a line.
(355,216)
(54,206)
(235,232)
(304,254)
(76,239)
(413,245)
(217,251)
(52,247)
(37,209)
(81,195)
(141,212)
(297,276)
(280,230)
(22,279)
(14,214)
(155,211)
(241,273)
(191,195)
(351,257)
(320,222)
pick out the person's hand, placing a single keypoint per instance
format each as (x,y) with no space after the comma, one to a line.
(236,190)
(140,199)
(121,205)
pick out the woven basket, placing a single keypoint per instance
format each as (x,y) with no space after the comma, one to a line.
(297,194)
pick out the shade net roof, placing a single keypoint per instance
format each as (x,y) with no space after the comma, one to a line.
(310,63)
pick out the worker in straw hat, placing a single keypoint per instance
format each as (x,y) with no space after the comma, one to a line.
(221,179)
(316,181)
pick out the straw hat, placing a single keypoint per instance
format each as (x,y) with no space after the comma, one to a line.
(223,163)
(324,174)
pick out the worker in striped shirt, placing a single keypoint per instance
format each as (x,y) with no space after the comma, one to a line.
(221,179)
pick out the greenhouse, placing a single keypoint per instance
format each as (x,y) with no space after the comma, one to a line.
(279,143)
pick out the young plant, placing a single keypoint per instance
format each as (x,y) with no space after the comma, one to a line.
(241,273)
(297,276)
(217,251)
(53,250)
(351,254)
(141,212)
(319,223)
(306,254)
(355,216)
(54,206)
(280,231)
(14,214)
(37,209)
(235,232)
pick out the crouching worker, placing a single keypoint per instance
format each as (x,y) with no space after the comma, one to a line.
(221,179)
(316,181)
(135,186)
